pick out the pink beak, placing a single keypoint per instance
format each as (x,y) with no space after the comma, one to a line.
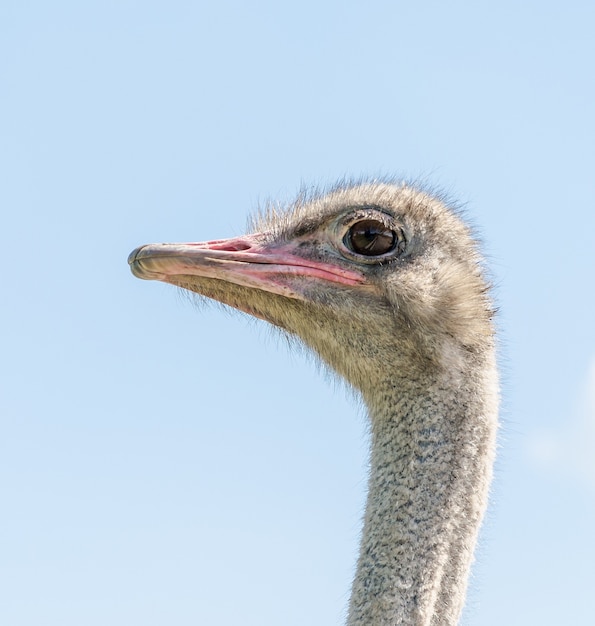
(243,260)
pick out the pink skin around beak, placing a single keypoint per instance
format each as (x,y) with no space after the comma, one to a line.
(243,260)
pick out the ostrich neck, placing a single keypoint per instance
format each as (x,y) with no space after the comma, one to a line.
(431,461)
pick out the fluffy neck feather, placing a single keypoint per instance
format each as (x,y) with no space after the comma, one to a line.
(433,442)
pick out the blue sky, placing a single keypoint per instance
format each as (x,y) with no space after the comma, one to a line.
(161,463)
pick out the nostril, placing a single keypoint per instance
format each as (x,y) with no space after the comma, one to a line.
(236,246)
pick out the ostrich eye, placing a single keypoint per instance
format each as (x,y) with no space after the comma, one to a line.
(370,238)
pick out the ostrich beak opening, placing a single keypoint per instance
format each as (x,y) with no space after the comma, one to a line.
(244,261)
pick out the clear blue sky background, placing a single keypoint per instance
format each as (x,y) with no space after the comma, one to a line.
(166,465)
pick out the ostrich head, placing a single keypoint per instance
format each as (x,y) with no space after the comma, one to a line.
(366,275)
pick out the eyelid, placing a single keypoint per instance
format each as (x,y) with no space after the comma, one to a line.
(348,221)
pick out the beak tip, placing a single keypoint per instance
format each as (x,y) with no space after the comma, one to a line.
(133,255)
(135,266)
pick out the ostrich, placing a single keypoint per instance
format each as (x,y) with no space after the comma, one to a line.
(384,282)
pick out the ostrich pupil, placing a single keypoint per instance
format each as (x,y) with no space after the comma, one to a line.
(371,238)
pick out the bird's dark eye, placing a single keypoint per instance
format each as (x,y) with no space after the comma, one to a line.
(370,238)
